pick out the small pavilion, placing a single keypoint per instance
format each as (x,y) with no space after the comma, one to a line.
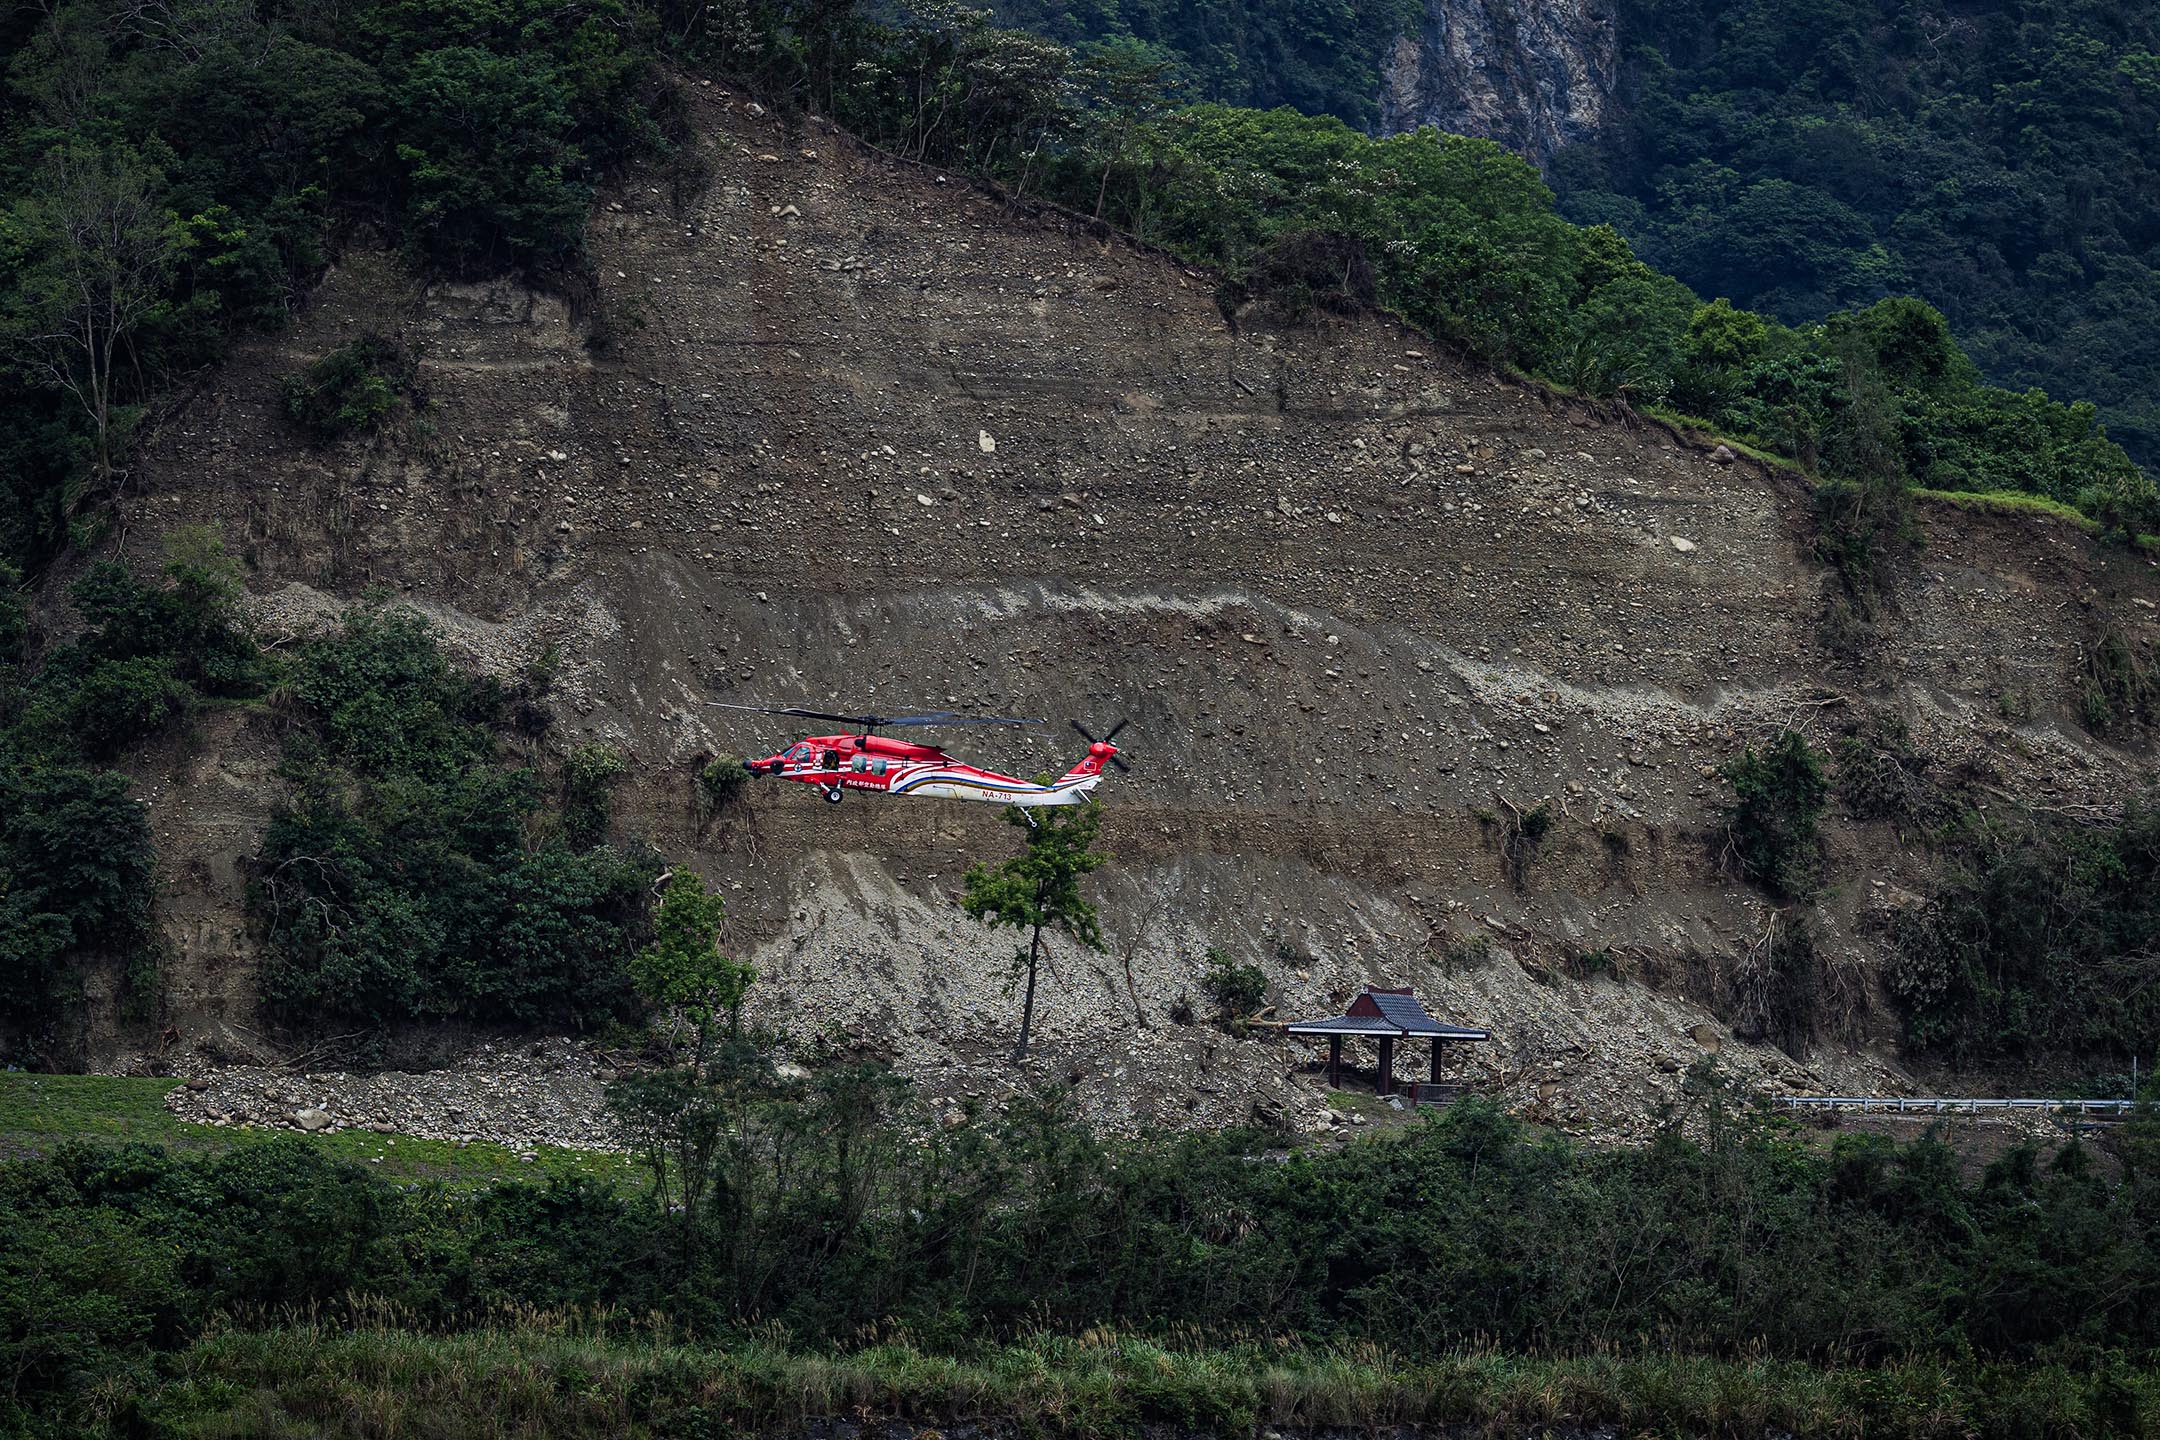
(1385,1016)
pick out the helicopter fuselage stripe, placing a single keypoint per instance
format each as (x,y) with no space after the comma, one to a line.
(903,784)
(939,778)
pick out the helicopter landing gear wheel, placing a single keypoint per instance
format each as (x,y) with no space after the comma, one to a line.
(832,794)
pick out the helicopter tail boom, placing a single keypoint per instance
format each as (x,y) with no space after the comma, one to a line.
(1075,784)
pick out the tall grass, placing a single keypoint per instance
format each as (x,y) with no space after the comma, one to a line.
(317,1381)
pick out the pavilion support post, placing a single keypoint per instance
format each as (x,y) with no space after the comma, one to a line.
(1334,1061)
(1386,1085)
(1436,1059)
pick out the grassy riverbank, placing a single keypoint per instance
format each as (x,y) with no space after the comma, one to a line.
(540,1381)
(40,1112)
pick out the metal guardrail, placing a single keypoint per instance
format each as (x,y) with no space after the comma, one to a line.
(1950,1105)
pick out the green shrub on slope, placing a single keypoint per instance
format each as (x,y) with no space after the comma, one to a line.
(409,876)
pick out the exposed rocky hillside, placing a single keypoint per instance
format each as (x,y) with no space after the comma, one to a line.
(835,429)
(1536,78)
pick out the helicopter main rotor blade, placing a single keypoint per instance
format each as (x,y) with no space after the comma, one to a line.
(952,717)
(795,710)
(878,722)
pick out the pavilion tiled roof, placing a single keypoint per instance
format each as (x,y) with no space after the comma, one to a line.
(1345,1025)
(1386,1012)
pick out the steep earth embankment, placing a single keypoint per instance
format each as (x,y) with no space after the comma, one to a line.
(837,430)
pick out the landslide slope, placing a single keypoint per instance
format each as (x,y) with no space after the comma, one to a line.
(838,429)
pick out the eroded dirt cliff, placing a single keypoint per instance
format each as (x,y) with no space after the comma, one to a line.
(836,429)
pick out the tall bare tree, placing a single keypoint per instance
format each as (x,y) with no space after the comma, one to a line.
(101,250)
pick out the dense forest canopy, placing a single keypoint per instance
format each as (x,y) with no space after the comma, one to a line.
(1317,56)
(2001,161)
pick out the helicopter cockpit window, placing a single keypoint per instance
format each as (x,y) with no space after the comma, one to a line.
(799,753)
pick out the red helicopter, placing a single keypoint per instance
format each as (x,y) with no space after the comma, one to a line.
(866,760)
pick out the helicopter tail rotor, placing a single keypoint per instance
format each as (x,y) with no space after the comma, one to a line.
(1108,737)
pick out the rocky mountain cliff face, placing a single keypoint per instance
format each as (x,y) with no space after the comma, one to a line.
(1534,78)
(841,430)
